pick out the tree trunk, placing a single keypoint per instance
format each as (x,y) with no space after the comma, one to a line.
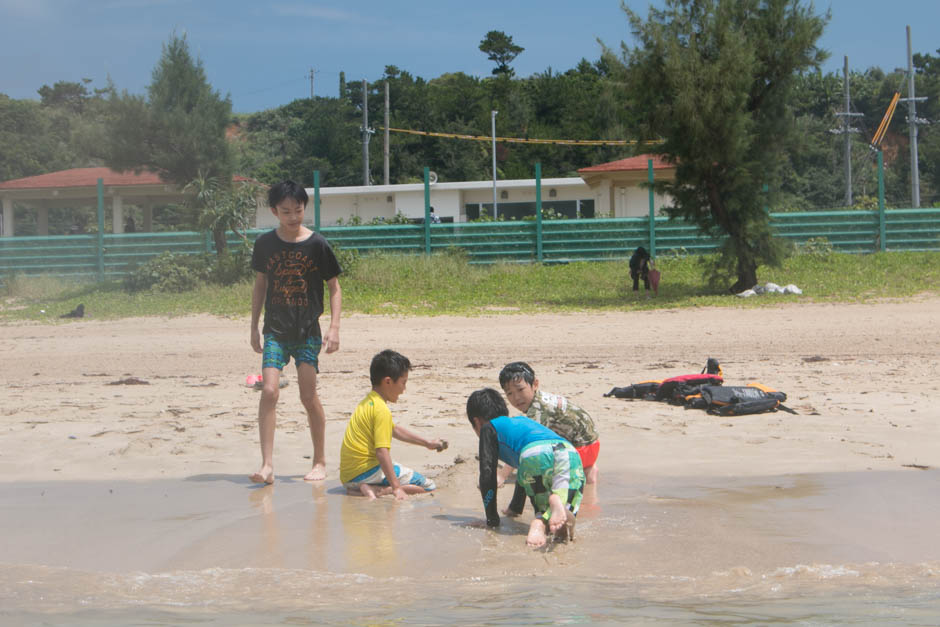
(747,276)
(218,236)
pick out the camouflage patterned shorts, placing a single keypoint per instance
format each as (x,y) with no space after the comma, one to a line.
(551,467)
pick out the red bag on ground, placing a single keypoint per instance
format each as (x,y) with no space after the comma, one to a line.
(654,280)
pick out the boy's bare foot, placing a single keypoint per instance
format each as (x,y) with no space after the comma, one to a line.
(367,491)
(317,473)
(559,513)
(265,475)
(536,537)
(590,474)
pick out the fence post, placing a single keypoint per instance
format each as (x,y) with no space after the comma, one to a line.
(649,176)
(316,201)
(100,230)
(538,212)
(427,211)
(882,228)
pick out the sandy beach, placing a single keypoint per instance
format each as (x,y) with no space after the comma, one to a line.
(861,377)
(149,406)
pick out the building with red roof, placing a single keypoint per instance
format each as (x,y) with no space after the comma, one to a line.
(78,187)
(616,189)
(620,186)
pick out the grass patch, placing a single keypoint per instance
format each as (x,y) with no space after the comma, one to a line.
(447,284)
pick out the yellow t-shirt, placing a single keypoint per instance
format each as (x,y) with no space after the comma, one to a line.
(369,428)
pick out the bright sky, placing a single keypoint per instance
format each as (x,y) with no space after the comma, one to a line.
(261,52)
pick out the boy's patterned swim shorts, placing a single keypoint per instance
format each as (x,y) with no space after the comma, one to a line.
(277,354)
(551,467)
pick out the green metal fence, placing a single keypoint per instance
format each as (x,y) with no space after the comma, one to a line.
(90,257)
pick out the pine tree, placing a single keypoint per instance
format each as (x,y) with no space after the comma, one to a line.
(178,131)
(713,79)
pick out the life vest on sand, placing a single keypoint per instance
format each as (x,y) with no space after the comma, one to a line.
(669,390)
(738,400)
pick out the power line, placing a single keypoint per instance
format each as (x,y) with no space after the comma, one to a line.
(526,140)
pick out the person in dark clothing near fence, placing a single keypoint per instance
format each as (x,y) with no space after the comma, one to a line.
(640,268)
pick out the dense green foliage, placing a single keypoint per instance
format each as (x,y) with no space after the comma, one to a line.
(72,121)
(175,273)
(418,285)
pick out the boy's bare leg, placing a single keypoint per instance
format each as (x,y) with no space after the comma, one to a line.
(590,474)
(267,417)
(370,491)
(536,537)
(559,513)
(316,419)
(413,489)
(502,474)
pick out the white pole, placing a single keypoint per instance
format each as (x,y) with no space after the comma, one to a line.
(493,122)
(912,121)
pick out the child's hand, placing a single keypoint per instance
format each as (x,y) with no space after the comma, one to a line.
(256,340)
(437,445)
(400,494)
(331,340)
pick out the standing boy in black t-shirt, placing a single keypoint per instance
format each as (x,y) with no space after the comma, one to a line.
(292,263)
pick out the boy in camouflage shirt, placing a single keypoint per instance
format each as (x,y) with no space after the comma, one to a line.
(555,412)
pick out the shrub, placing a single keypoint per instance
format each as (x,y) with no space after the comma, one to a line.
(231,266)
(348,258)
(818,247)
(170,272)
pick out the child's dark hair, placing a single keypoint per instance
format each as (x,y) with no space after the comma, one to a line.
(486,404)
(388,363)
(286,189)
(515,371)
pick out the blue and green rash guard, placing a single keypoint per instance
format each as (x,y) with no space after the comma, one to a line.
(502,439)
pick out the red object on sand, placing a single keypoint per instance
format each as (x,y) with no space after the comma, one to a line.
(654,280)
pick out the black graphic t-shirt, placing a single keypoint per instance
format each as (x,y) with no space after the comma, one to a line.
(296,272)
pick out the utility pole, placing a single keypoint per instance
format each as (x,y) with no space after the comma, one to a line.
(366,132)
(847,130)
(311,83)
(493,125)
(385,148)
(912,122)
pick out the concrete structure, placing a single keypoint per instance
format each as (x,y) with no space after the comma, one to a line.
(615,189)
(619,186)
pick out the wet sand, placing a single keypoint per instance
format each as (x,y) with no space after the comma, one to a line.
(119,496)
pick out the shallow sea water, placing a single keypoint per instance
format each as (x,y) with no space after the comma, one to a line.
(850,548)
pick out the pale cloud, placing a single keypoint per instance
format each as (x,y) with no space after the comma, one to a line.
(313,12)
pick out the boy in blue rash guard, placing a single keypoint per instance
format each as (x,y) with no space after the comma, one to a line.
(548,467)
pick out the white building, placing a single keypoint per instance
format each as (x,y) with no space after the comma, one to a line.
(616,189)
